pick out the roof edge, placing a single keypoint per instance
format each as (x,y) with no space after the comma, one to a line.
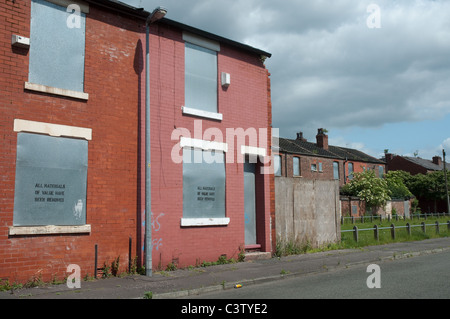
(370,159)
(215,37)
(121,7)
(140,13)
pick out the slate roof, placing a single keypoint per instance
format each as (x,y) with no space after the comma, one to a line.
(336,152)
(429,165)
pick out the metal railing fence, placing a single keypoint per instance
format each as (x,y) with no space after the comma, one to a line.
(376,229)
(371,218)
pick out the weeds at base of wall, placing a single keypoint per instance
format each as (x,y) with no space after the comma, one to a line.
(5,285)
(112,270)
(148,295)
(107,271)
(222,260)
(291,247)
(35,281)
(296,247)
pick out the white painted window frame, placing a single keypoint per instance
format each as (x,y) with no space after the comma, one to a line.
(211,45)
(186,142)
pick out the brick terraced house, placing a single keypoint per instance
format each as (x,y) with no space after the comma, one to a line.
(320,161)
(73,141)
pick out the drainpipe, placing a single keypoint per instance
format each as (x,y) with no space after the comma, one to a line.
(156,15)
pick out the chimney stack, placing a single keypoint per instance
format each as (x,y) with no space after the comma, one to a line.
(322,139)
(389,157)
(437,160)
(300,137)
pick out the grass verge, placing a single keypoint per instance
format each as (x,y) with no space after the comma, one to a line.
(366,237)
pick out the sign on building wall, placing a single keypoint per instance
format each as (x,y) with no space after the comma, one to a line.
(51,178)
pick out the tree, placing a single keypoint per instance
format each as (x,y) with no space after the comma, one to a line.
(430,186)
(373,190)
(420,185)
(396,184)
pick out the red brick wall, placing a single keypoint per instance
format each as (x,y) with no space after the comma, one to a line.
(305,167)
(115,81)
(348,202)
(327,167)
(243,105)
(359,167)
(398,163)
(111,113)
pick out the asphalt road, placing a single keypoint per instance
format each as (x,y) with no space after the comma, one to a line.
(421,277)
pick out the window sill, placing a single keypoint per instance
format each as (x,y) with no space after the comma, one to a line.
(48,230)
(203,222)
(201,113)
(56,91)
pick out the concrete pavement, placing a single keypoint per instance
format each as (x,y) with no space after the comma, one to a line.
(185,282)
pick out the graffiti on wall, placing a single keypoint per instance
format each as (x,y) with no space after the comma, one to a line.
(157,241)
(156,227)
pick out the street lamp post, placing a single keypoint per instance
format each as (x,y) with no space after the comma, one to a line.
(156,15)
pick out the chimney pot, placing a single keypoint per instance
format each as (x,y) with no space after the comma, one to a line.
(300,137)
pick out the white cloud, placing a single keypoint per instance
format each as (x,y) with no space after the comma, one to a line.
(431,151)
(444,146)
(328,68)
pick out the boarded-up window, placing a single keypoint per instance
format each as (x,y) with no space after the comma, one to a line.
(51,177)
(57,47)
(203,183)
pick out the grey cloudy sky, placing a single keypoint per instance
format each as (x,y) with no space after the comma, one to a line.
(371,88)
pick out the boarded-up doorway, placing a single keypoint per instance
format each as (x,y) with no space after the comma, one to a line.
(250,203)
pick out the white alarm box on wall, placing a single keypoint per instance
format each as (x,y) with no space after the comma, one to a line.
(20,42)
(226,79)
